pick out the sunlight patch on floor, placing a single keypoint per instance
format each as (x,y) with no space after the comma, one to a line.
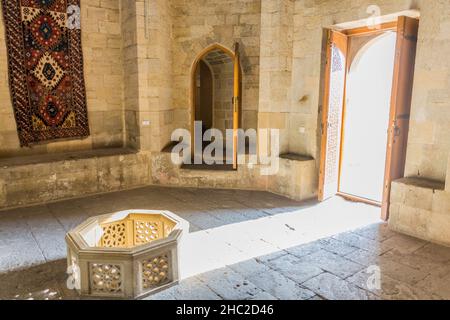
(216,248)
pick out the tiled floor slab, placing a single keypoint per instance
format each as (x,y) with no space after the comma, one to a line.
(243,245)
(332,287)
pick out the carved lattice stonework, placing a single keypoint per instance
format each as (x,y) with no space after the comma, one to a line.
(336,97)
(168,228)
(114,235)
(125,255)
(146,232)
(106,278)
(155,271)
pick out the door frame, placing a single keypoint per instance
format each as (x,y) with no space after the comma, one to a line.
(352,33)
(398,26)
(401,101)
(338,39)
(192,99)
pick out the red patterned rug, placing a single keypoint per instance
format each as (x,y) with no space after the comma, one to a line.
(45,63)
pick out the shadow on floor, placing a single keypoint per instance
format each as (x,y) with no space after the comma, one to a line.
(42,282)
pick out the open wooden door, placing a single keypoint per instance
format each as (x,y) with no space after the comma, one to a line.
(333,103)
(402,87)
(236,103)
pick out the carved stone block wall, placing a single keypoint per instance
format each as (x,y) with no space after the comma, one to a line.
(197,25)
(421,208)
(447,180)
(46,178)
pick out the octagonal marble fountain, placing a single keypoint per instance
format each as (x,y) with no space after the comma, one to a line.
(128,254)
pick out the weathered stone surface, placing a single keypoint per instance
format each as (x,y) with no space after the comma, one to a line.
(304,249)
(336,246)
(360,242)
(379,232)
(48,233)
(437,283)
(421,208)
(163,295)
(332,263)
(191,289)
(390,289)
(262,296)
(229,285)
(55,177)
(333,288)
(364,257)
(447,180)
(250,268)
(20,255)
(434,253)
(403,244)
(400,272)
(32,259)
(414,260)
(295,179)
(272,281)
(294,268)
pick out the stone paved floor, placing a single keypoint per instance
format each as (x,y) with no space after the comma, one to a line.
(243,245)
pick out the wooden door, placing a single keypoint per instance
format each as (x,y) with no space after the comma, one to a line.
(333,103)
(405,55)
(236,103)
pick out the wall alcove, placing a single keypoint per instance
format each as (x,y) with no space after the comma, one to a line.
(216,88)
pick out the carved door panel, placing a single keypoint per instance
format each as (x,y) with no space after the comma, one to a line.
(333,103)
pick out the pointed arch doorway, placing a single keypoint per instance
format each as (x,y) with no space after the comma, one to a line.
(216,102)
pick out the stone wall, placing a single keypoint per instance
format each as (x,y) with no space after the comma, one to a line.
(101,30)
(429,140)
(295,179)
(147,35)
(421,208)
(131,73)
(223,93)
(276,67)
(165,173)
(198,24)
(44,178)
(447,180)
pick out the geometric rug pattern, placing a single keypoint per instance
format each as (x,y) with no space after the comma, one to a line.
(45,64)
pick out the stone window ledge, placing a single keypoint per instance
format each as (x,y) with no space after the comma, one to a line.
(422,183)
(296,157)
